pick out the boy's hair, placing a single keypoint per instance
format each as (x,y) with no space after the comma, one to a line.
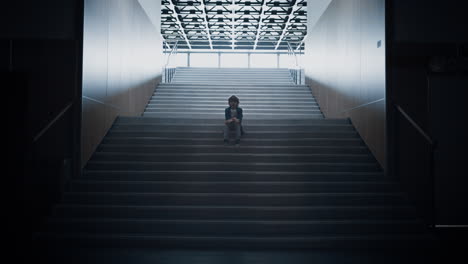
(233,99)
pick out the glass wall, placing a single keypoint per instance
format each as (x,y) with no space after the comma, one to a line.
(229,60)
(263,61)
(204,60)
(234,60)
(179,60)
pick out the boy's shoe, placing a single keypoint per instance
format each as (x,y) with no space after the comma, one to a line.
(226,142)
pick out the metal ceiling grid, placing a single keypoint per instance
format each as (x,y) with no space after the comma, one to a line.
(234,24)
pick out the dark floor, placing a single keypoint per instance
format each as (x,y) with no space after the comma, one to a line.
(451,249)
(232,256)
(171,256)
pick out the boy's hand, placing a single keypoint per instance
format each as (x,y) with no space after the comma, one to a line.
(236,120)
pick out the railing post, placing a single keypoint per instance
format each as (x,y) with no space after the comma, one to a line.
(168,72)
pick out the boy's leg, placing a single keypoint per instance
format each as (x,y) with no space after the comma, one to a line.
(226,132)
(238,131)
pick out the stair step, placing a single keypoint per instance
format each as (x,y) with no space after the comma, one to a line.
(234,166)
(230,176)
(236,199)
(241,94)
(246,74)
(247,158)
(214,69)
(235,78)
(223,105)
(218,116)
(218,134)
(174,87)
(195,149)
(240,76)
(228,93)
(220,110)
(236,213)
(329,142)
(232,82)
(278,122)
(193,227)
(214,103)
(242,97)
(229,187)
(226,88)
(221,84)
(219,106)
(237,73)
(378,241)
(252,128)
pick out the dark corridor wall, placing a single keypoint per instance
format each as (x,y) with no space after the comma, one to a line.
(122,57)
(413,98)
(427,77)
(345,66)
(40,64)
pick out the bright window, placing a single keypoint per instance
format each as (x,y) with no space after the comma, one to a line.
(263,60)
(204,60)
(229,60)
(179,60)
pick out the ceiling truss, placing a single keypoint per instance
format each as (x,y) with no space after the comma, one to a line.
(234,24)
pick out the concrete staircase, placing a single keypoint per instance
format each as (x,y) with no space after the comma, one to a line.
(232,76)
(297,181)
(202,93)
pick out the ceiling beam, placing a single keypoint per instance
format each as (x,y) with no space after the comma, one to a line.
(172,7)
(260,22)
(233,20)
(302,42)
(288,22)
(205,20)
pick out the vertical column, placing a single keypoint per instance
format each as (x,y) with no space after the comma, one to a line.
(248,60)
(188,59)
(277,60)
(219,59)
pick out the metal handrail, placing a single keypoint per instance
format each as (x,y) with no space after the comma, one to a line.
(293,54)
(169,72)
(295,70)
(173,51)
(433,145)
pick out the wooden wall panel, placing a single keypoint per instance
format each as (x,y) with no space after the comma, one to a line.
(121,68)
(345,67)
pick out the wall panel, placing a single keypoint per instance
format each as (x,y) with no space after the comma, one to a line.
(122,64)
(345,67)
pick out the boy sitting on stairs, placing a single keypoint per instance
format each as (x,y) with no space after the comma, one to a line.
(233,120)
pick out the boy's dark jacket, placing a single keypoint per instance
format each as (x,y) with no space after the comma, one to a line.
(227,113)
